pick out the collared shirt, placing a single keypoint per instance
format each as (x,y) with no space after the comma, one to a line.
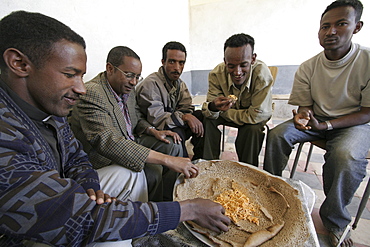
(122,102)
(173,89)
(162,108)
(44,122)
(254,104)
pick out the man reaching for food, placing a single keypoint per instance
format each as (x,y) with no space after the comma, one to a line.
(239,95)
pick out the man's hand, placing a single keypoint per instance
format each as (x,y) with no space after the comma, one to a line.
(301,119)
(195,125)
(181,165)
(220,103)
(315,125)
(162,134)
(177,164)
(205,213)
(304,120)
(98,196)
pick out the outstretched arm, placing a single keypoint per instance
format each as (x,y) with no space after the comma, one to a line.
(177,164)
(304,119)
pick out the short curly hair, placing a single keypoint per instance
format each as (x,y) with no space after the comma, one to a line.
(34,34)
(239,40)
(356,4)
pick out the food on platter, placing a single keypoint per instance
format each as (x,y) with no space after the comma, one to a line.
(264,209)
(261,236)
(237,205)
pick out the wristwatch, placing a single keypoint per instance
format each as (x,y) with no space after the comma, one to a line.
(330,127)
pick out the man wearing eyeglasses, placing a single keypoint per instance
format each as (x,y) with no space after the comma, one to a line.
(119,142)
(166,102)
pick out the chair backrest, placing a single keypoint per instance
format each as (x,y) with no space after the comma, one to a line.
(274,71)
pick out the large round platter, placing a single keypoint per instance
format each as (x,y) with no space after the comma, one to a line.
(278,204)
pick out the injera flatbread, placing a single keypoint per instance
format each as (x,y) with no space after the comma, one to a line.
(277,200)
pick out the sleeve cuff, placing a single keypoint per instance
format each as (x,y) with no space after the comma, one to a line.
(169,213)
(207,113)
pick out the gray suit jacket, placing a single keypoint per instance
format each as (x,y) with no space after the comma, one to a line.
(97,121)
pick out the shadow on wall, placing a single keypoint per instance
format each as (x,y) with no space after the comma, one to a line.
(197,80)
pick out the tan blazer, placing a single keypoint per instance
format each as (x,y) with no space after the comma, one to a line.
(97,121)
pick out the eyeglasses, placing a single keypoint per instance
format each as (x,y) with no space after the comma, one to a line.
(130,76)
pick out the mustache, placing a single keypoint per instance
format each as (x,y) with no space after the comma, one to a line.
(175,73)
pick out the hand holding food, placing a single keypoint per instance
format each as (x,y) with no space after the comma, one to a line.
(221,103)
(233,98)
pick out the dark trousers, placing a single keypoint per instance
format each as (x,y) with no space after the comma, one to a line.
(185,133)
(248,142)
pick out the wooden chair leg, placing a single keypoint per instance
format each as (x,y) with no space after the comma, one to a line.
(296,159)
(362,205)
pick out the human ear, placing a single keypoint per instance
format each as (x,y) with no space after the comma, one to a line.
(359,25)
(109,68)
(254,57)
(17,62)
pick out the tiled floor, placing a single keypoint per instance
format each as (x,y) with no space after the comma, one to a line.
(313,178)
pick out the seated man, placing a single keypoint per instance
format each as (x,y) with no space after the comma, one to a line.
(50,193)
(250,81)
(332,92)
(165,100)
(119,142)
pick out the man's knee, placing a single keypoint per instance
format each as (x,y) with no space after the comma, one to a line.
(255,128)
(174,149)
(274,133)
(280,131)
(134,185)
(210,123)
(346,159)
(153,173)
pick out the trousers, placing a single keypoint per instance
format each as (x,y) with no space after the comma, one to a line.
(160,179)
(248,142)
(185,133)
(343,170)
